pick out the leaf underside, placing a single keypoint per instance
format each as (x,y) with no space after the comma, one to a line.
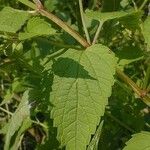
(80,91)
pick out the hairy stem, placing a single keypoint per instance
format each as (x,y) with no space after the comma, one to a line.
(65,27)
(61,24)
(141,93)
(83,22)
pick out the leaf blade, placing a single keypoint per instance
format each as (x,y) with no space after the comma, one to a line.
(104,16)
(82,85)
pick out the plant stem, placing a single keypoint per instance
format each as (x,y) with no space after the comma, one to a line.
(83,22)
(40,124)
(53,55)
(143,4)
(119,122)
(39,7)
(6,111)
(65,27)
(97,32)
(141,93)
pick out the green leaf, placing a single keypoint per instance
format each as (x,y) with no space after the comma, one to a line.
(22,113)
(146,31)
(11,20)
(139,141)
(36,27)
(51,5)
(80,91)
(104,16)
(134,18)
(122,16)
(125,57)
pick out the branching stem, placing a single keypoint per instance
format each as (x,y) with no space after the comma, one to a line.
(84,43)
(141,93)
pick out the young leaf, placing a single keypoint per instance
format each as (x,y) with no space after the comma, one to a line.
(104,16)
(11,20)
(80,91)
(146,30)
(22,113)
(36,27)
(139,141)
(122,16)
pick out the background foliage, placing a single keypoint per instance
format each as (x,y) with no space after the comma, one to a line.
(37,57)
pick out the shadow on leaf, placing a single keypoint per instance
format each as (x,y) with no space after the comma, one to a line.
(69,68)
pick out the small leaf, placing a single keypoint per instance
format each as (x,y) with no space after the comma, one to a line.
(36,27)
(139,141)
(123,17)
(11,20)
(22,113)
(146,31)
(82,85)
(104,16)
